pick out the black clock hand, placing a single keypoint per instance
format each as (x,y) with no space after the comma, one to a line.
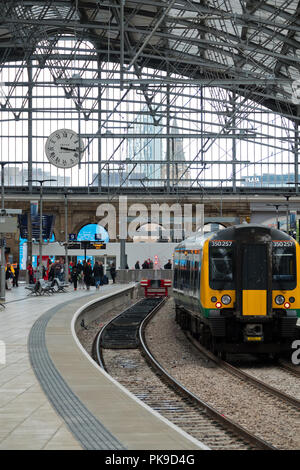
(70,150)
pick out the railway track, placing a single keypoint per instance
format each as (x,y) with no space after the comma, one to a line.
(249,378)
(115,349)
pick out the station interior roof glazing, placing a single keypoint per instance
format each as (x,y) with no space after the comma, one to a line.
(173,95)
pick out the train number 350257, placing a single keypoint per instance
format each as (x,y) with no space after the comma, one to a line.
(221,243)
(282,243)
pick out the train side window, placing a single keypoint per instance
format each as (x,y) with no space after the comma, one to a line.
(176,272)
(182,273)
(187,276)
(196,277)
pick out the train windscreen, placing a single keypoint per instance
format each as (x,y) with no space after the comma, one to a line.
(221,275)
(283,265)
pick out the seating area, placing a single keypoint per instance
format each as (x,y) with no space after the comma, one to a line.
(42,287)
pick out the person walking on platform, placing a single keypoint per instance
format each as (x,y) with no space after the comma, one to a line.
(80,275)
(9,276)
(87,271)
(16,277)
(30,273)
(51,272)
(137,265)
(57,270)
(79,267)
(168,265)
(145,264)
(74,276)
(98,274)
(113,272)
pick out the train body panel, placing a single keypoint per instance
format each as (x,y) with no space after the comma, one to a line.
(238,289)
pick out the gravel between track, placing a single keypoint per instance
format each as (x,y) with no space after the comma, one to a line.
(273,421)
(266,417)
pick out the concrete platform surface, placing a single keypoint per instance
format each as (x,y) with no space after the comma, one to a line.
(111,417)
(27,419)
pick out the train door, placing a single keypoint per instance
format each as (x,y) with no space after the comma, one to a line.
(254,279)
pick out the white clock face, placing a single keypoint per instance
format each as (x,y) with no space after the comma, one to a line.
(64,148)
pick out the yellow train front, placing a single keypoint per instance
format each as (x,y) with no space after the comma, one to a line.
(237,290)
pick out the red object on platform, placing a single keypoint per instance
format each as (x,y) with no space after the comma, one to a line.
(156,287)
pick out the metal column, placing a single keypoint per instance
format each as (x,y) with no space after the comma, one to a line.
(123,256)
(66,240)
(296,153)
(2,239)
(100,130)
(29,120)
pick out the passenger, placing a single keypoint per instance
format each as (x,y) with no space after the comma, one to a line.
(87,271)
(30,273)
(101,273)
(150,262)
(168,265)
(9,276)
(80,278)
(70,269)
(113,272)
(98,274)
(51,272)
(74,276)
(57,270)
(137,265)
(61,275)
(145,265)
(16,278)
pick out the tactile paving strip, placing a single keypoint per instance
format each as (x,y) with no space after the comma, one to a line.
(89,432)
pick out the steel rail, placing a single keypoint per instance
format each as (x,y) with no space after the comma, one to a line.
(224,421)
(97,349)
(245,376)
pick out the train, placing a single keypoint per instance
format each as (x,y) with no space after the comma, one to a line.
(238,291)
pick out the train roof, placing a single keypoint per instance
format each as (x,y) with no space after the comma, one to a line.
(231,233)
(197,239)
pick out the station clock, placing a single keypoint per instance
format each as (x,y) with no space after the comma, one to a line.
(64,148)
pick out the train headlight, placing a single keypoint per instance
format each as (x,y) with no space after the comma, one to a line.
(292,300)
(226,299)
(279,299)
(287,305)
(218,305)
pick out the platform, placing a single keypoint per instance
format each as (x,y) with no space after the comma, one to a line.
(68,402)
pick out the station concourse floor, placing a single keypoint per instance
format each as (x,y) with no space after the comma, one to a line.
(24,408)
(27,418)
